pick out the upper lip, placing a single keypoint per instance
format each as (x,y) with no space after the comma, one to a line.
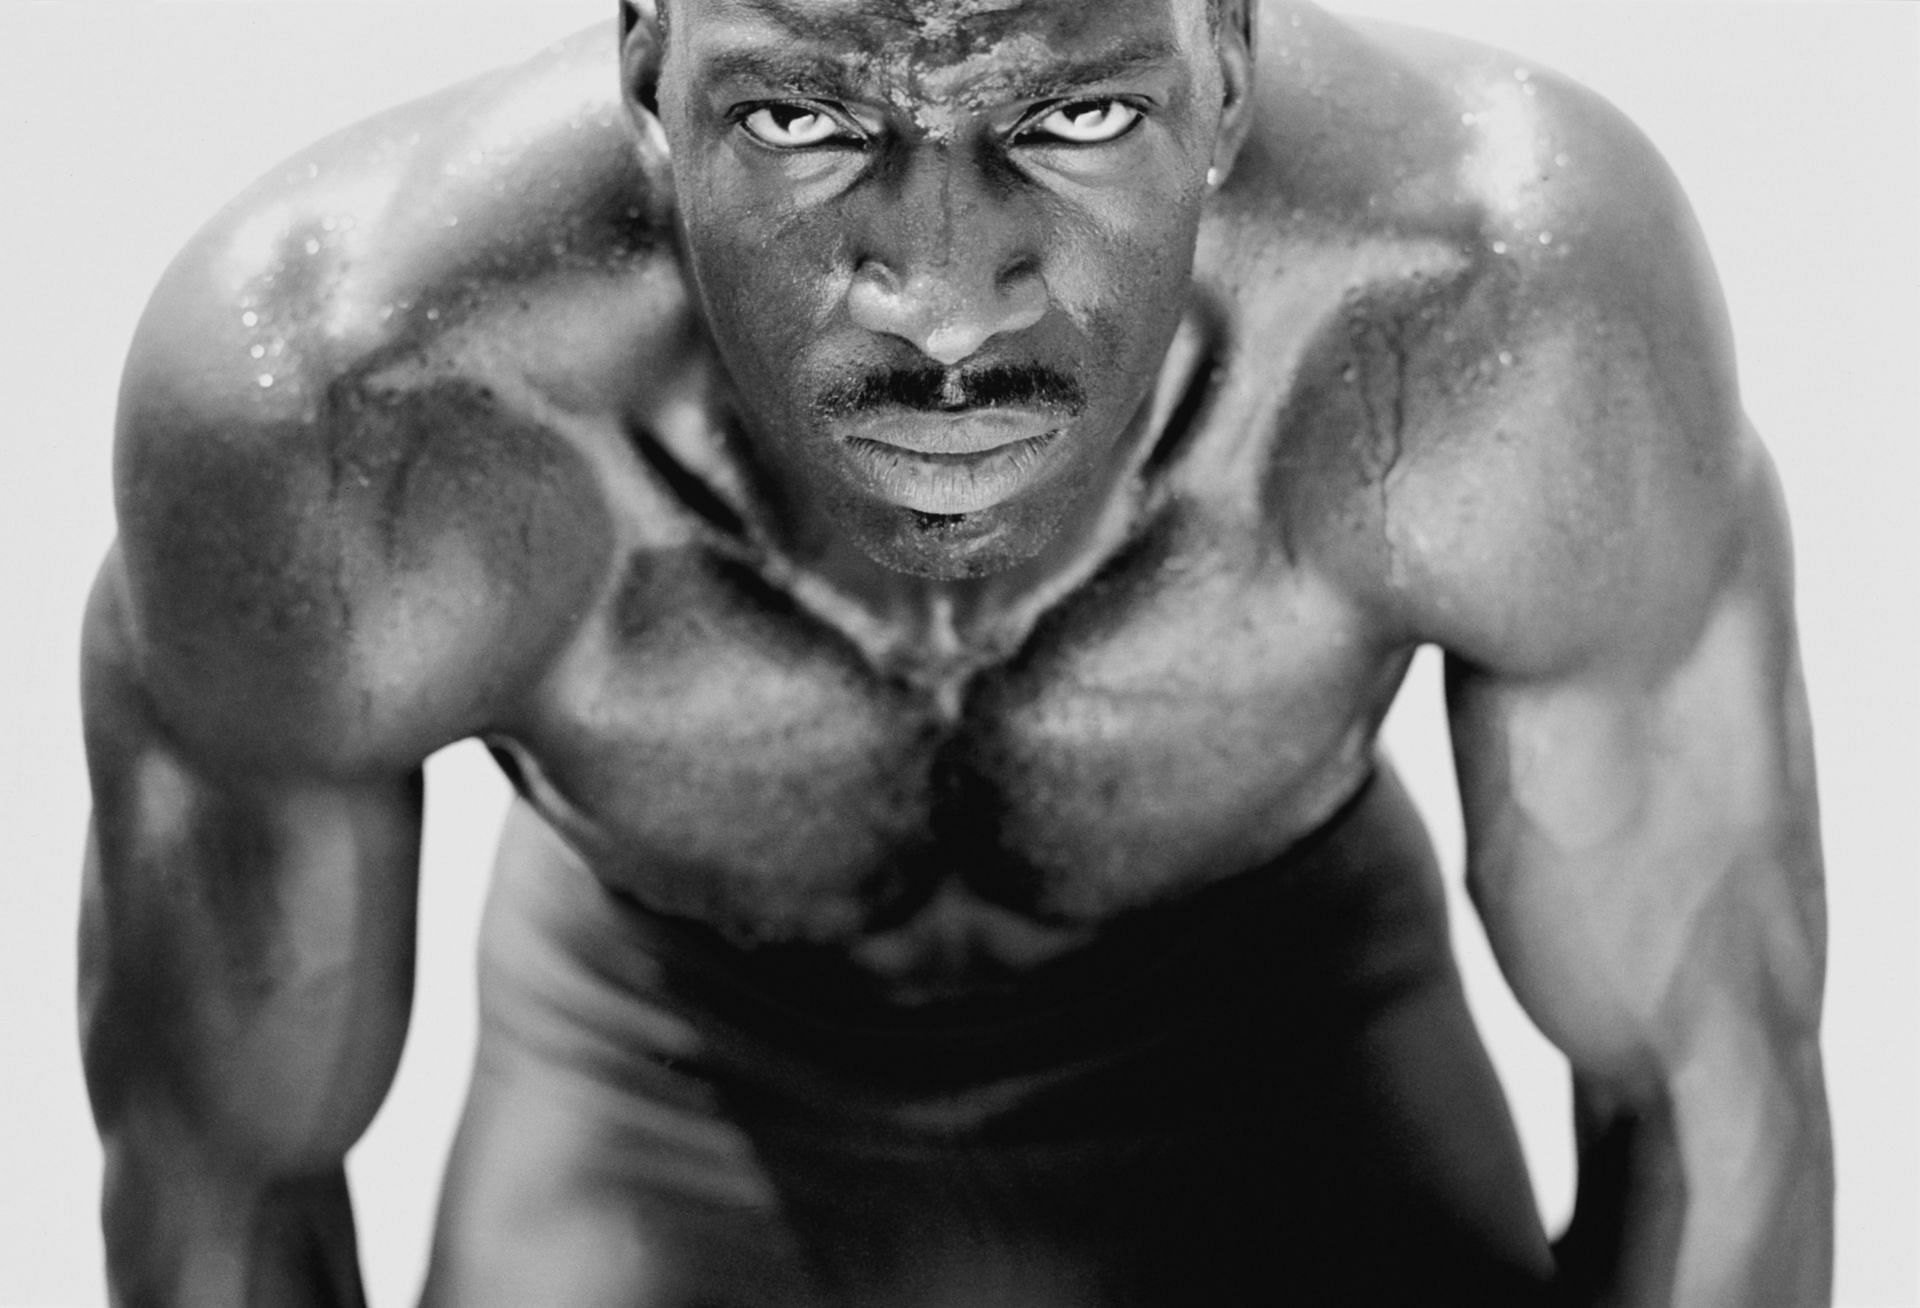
(953,431)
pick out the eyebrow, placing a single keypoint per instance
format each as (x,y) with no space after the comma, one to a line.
(786,69)
(1137,55)
(832,77)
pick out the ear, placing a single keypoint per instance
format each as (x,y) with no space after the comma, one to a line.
(642,49)
(1234,43)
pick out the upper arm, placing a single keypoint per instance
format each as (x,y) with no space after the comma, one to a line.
(246,926)
(1643,851)
(1597,541)
(1643,842)
(317,582)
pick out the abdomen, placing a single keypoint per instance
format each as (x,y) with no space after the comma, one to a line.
(1244,1092)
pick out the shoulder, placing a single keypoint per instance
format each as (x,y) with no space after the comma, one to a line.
(1620,487)
(342,530)
(377,241)
(1570,466)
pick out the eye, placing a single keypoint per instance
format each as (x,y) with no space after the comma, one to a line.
(1084,122)
(795,126)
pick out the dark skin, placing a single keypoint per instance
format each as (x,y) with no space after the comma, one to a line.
(930,504)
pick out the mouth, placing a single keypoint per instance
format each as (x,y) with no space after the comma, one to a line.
(951,462)
(951,431)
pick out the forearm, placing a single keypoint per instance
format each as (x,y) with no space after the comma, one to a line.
(1708,1194)
(225,1131)
(186,1226)
(226,1119)
(224,1183)
(245,986)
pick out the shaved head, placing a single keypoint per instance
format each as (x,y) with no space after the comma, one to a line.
(1238,12)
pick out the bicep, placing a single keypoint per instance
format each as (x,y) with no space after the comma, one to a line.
(247,929)
(1642,833)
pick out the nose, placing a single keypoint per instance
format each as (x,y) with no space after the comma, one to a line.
(945,263)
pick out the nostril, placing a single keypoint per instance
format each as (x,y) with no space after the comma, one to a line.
(1023,298)
(1020,273)
(877,303)
(877,276)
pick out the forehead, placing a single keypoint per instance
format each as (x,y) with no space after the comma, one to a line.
(937,46)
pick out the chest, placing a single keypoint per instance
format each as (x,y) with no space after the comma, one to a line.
(723,754)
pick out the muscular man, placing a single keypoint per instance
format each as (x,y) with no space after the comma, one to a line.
(929,502)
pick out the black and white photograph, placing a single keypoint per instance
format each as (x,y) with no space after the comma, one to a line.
(960,653)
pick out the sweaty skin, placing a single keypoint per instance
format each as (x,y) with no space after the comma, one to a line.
(929,503)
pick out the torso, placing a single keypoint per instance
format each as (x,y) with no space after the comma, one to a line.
(723,740)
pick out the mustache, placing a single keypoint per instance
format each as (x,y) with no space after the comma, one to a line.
(944,390)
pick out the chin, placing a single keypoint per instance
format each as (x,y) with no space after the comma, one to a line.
(951,547)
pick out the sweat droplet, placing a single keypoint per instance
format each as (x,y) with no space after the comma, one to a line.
(1546,238)
(249,319)
(1560,159)
(1506,359)
(313,246)
(258,351)
(1521,75)
(1499,247)
(265,379)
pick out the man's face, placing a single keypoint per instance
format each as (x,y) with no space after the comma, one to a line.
(943,245)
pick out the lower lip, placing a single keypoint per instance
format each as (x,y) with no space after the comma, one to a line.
(950,484)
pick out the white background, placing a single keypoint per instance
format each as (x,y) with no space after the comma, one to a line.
(1794,127)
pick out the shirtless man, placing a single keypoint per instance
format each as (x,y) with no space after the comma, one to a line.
(929,502)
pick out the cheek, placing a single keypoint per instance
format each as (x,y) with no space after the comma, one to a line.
(1121,275)
(770,301)
(769,265)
